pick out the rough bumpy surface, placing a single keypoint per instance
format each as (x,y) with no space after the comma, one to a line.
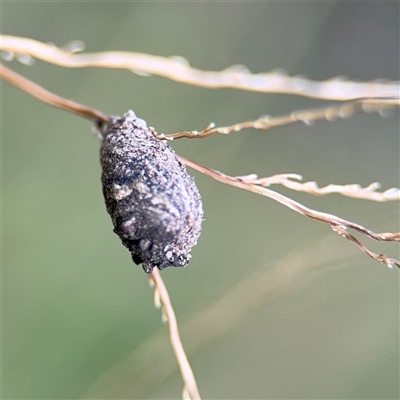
(154,204)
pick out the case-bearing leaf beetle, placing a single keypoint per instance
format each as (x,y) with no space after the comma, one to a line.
(154,204)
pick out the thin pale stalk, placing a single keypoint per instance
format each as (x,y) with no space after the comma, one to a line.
(179,70)
(190,386)
(50,98)
(337,224)
(308,117)
(291,181)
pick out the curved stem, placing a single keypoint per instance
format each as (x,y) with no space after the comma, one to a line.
(186,370)
(180,71)
(50,98)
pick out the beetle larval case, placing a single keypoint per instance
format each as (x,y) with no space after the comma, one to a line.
(154,204)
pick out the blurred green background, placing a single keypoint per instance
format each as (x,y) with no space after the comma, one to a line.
(273,305)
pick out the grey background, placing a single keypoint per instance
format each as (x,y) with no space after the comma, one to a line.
(78,316)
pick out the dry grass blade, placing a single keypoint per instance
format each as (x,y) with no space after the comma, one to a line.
(291,181)
(190,389)
(50,98)
(308,117)
(390,262)
(337,224)
(178,69)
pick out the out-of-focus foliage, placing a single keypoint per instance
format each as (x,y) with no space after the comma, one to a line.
(78,315)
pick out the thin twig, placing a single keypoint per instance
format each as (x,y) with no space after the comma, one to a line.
(178,69)
(306,116)
(190,387)
(50,98)
(338,225)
